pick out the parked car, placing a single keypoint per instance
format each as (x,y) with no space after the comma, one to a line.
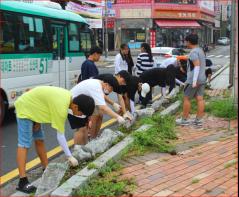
(161,53)
(223,41)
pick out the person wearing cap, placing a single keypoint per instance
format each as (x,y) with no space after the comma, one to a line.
(149,79)
(89,125)
(45,104)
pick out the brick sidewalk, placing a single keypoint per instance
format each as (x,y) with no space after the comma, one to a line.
(207,169)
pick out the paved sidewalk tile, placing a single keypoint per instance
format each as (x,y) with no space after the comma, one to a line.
(209,169)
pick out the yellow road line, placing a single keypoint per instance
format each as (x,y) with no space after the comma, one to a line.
(14,173)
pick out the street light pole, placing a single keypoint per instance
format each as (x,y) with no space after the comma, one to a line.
(106,29)
(232,46)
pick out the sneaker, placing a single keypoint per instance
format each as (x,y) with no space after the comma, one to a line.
(27,188)
(197,122)
(182,122)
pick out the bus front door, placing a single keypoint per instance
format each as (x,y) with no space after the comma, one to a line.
(59,62)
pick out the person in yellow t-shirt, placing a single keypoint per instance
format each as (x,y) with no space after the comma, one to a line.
(45,104)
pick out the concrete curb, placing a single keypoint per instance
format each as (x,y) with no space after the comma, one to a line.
(214,76)
(82,177)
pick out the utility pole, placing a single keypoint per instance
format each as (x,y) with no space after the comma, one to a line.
(106,29)
(232,46)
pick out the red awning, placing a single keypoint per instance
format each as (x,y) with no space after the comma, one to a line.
(177,24)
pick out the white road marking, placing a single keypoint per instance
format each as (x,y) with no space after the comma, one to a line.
(211,56)
(219,56)
(111,66)
(228,56)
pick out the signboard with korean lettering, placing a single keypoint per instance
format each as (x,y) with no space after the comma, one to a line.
(135,13)
(176,14)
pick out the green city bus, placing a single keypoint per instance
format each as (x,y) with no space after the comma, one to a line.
(39,46)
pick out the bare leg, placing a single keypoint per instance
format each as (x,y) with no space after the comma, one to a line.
(96,125)
(41,152)
(201,106)
(81,136)
(21,161)
(186,107)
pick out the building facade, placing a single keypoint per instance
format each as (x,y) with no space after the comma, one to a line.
(163,22)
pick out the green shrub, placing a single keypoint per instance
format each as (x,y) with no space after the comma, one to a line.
(223,108)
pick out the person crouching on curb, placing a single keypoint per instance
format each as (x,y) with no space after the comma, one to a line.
(149,79)
(91,125)
(45,104)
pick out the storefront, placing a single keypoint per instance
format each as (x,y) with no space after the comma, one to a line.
(172,33)
(133,27)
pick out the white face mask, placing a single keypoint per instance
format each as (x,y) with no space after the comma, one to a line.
(82,116)
(106,92)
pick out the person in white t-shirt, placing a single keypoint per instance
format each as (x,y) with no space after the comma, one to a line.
(97,90)
(120,59)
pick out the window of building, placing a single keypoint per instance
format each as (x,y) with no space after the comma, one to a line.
(74,38)
(7,38)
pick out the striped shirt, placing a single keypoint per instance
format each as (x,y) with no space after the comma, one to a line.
(143,63)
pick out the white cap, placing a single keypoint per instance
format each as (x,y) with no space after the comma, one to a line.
(145,89)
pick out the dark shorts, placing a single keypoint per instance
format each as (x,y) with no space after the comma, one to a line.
(76,122)
(191,92)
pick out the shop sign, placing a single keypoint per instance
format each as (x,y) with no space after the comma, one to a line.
(135,13)
(110,13)
(217,23)
(207,18)
(110,24)
(152,38)
(176,14)
(94,23)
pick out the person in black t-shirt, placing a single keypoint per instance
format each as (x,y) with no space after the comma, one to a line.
(88,68)
(153,77)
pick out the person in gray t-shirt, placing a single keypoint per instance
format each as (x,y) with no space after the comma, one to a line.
(195,83)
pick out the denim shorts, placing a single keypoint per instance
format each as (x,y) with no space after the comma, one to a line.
(26,133)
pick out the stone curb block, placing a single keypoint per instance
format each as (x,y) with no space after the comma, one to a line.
(82,177)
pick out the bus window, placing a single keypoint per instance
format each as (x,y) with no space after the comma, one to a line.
(74,38)
(85,42)
(32,35)
(42,41)
(7,38)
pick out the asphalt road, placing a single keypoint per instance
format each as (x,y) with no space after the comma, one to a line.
(219,56)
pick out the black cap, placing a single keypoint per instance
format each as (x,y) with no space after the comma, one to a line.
(110,79)
(124,74)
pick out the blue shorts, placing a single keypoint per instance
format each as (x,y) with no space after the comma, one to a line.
(26,133)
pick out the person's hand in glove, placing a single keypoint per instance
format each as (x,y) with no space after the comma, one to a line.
(120,120)
(73,161)
(117,107)
(128,116)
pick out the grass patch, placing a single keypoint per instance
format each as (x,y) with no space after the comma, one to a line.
(92,166)
(158,137)
(194,181)
(223,108)
(108,183)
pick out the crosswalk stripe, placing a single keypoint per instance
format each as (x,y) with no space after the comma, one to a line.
(227,56)
(219,56)
(211,56)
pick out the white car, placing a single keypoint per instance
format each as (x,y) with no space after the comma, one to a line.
(161,53)
(223,41)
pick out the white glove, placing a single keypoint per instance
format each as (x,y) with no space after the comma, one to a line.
(116,107)
(73,161)
(120,120)
(128,115)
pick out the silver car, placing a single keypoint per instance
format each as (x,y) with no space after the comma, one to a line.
(223,41)
(162,53)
